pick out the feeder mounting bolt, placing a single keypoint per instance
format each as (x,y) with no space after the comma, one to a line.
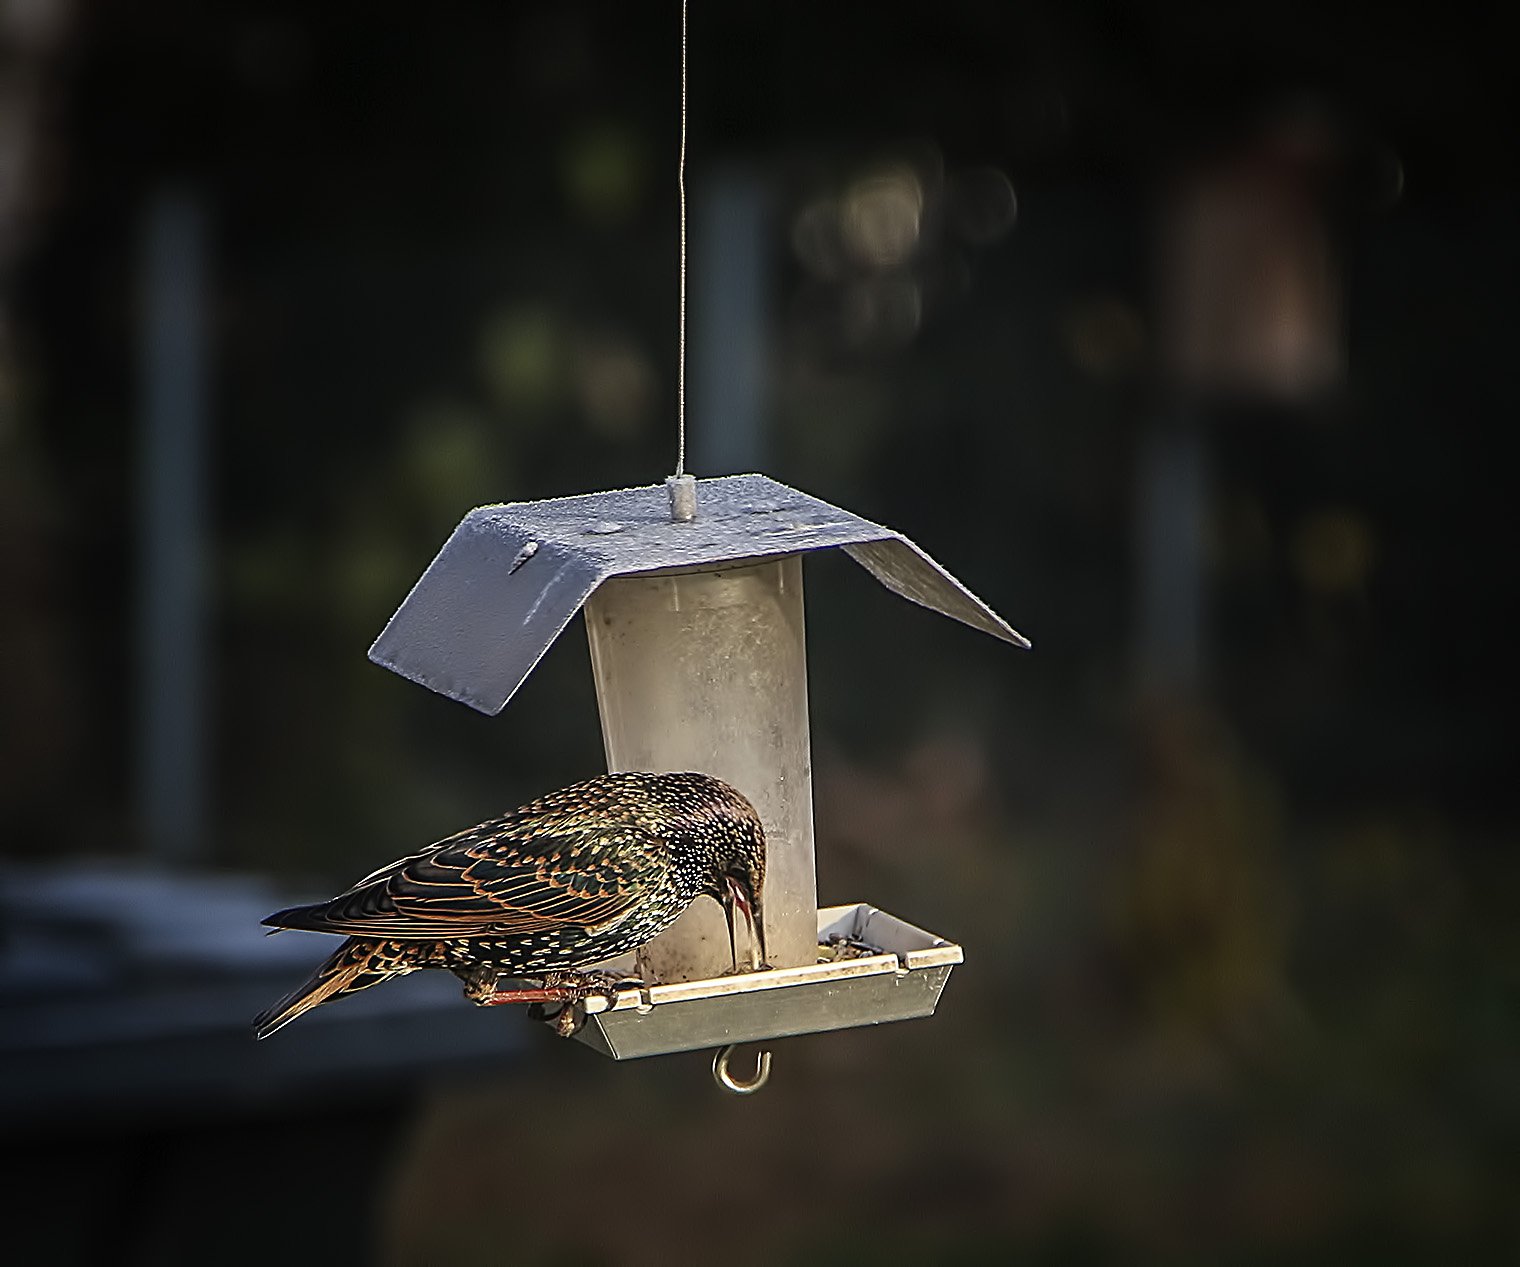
(683,497)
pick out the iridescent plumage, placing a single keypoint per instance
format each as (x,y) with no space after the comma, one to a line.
(570,880)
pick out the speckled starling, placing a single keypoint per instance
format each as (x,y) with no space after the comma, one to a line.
(570,880)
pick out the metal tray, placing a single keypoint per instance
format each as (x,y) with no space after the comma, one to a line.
(902,980)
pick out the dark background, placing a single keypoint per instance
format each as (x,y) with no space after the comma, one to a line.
(1217,419)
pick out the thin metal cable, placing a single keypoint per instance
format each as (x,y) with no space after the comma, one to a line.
(681,339)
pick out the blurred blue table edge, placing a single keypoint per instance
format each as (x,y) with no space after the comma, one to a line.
(128,992)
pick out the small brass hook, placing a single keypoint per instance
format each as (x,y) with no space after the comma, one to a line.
(726,1080)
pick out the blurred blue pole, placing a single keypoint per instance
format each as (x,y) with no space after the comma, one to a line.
(729,331)
(171,739)
(1170,508)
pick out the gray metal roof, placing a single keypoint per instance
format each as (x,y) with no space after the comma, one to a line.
(511,577)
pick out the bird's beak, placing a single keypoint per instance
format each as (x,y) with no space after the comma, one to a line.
(737,894)
(757,934)
(728,917)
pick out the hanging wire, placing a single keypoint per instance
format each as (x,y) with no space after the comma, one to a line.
(681,335)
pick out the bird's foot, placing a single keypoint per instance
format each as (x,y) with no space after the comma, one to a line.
(580,986)
(565,1020)
(480,983)
(572,988)
(564,988)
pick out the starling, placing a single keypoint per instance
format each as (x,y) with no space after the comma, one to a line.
(572,879)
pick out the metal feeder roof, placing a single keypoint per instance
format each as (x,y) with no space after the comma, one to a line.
(511,577)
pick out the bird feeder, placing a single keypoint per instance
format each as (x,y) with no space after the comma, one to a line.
(693,602)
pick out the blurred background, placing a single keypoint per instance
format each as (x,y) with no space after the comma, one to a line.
(1182,333)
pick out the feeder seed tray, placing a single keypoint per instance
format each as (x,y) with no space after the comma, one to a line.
(901,980)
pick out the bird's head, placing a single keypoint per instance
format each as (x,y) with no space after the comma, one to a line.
(738,877)
(743,890)
(722,842)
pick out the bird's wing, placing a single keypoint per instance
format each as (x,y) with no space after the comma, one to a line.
(513,876)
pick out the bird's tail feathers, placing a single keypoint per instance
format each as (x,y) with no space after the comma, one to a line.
(347,969)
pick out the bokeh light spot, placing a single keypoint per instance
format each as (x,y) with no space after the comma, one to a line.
(882,215)
(521,358)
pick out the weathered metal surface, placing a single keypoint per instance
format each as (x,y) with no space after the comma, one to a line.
(707,670)
(901,982)
(511,577)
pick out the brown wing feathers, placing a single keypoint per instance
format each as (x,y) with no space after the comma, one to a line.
(483,882)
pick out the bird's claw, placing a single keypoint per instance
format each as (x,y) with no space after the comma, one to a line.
(480,984)
(572,989)
(608,985)
(565,1020)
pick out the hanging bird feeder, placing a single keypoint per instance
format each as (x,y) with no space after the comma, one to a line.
(693,602)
